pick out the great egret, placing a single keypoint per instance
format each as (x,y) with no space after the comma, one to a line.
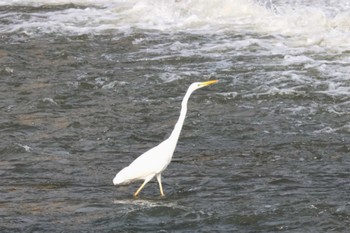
(154,161)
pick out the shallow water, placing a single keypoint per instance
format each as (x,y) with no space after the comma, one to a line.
(86,88)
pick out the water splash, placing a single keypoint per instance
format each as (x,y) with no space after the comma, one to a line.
(325,24)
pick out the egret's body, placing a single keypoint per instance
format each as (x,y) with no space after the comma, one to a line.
(154,161)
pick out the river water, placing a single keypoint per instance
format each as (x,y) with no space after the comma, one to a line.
(87,86)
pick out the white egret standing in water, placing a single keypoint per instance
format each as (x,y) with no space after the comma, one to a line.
(154,161)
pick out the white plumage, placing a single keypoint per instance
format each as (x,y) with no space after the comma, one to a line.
(154,161)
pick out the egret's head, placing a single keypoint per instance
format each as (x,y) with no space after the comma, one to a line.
(198,85)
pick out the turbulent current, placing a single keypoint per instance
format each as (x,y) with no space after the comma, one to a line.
(87,86)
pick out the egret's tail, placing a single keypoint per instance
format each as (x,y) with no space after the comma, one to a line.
(121,177)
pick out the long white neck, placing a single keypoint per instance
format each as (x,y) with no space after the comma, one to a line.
(178,126)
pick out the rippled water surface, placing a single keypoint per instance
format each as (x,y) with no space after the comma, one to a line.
(87,86)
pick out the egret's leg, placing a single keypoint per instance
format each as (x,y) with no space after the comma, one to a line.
(159,178)
(141,187)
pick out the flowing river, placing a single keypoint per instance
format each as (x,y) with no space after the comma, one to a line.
(87,86)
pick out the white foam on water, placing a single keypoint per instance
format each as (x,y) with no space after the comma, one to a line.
(291,29)
(132,205)
(49,100)
(344,128)
(325,23)
(297,60)
(50,2)
(25,147)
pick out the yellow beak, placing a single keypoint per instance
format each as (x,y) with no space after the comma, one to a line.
(209,82)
